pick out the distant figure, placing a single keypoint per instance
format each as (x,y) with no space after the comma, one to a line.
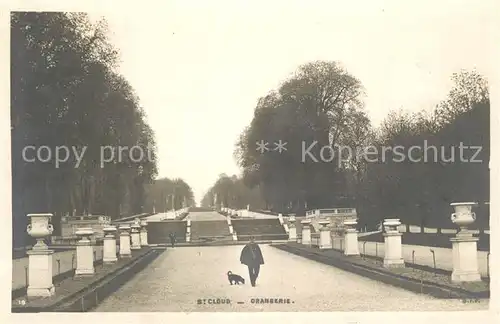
(251,256)
(172,239)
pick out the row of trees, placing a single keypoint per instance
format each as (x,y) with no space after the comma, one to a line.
(67,98)
(232,191)
(321,107)
(165,194)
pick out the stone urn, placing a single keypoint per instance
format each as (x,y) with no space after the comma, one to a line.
(109,231)
(391,224)
(463,215)
(350,225)
(124,228)
(324,223)
(84,233)
(135,227)
(39,228)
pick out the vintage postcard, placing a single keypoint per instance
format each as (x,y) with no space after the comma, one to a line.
(241,157)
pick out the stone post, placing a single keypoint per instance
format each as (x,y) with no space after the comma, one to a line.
(464,245)
(351,238)
(306,231)
(230,224)
(135,236)
(144,233)
(125,241)
(188,234)
(84,253)
(109,248)
(292,230)
(393,248)
(40,257)
(325,240)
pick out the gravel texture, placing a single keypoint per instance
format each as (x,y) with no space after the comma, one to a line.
(183,279)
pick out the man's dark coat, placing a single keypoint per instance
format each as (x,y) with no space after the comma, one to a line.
(251,255)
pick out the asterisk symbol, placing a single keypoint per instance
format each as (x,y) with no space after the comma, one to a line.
(280,146)
(261,146)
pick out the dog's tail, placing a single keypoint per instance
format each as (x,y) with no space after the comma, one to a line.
(229,273)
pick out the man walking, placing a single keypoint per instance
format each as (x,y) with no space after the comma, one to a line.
(172,239)
(251,256)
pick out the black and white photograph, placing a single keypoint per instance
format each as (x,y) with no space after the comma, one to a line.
(242,157)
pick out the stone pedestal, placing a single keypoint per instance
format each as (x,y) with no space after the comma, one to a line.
(292,230)
(325,240)
(125,241)
(40,257)
(351,238)
(464,250)
(40,273)
(393,248)
(84,253)
(464,244)
(136,237)
(109,248)
(306,232)
(144,233)
(292,233)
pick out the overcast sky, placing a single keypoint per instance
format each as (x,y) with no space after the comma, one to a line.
(200,69)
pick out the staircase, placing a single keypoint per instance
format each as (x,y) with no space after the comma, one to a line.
(210,230)
(261,229)
(158,232)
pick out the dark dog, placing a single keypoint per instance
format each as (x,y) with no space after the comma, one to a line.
(234,278)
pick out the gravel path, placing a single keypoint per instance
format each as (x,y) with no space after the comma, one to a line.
(182,277)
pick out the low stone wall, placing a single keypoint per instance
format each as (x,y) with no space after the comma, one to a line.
(430,239)
(403,228)
(423,255)
(62,262)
